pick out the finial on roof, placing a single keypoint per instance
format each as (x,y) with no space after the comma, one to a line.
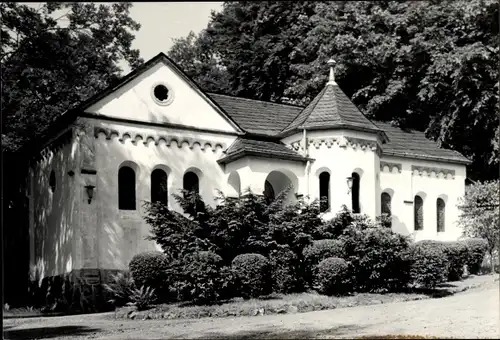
(331,63)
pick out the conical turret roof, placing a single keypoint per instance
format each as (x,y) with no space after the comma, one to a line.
(331,108)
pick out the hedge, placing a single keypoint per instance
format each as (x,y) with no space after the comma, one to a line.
(429,264)
(476,248)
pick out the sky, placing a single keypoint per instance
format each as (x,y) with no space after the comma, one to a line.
(161,22)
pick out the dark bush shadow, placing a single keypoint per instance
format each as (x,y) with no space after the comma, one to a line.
(47,332)
(288,334)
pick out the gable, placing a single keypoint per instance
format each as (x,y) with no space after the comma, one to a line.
(185,104)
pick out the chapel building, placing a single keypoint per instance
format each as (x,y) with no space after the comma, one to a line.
(116,150)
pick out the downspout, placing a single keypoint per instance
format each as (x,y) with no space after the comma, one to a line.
(308,164)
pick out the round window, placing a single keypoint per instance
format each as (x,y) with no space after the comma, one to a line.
(162,94)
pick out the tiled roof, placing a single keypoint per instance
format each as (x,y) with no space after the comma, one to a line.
(265,118)
(414,144)
(331,108)
(247,146)
(257,116)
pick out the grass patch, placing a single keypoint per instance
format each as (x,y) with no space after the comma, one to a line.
(277,304)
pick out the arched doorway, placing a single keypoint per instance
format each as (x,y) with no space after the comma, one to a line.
(277,181)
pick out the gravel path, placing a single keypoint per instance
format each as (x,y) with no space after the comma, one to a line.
(472,314)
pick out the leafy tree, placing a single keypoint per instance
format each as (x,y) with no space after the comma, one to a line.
(195,57)
(47,68)
(426,65)
(480,216)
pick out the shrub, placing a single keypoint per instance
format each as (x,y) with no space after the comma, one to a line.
(330,276)
(149,269)
(253,275)
(318,251)
(476,249)
(378,257)
(120,287)
(457,255)
(429,264)
(285,270)
(201,278)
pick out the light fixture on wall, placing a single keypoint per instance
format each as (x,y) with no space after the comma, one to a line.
(90,192)
(349,184)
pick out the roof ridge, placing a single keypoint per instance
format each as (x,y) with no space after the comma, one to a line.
(256,100)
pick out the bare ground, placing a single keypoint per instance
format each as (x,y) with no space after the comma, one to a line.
(472,314)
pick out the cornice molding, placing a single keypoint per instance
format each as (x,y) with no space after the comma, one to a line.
(389,167)
(432,172)
(137,137)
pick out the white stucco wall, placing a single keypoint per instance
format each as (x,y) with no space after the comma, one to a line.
(341,153)
(135,101)
(403,184)
(122,232)
(53,214)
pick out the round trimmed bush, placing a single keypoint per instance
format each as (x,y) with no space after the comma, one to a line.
(429,264)
(202,278)
(330,276)
(318,251)
(148,269)
(476,249)
(253,274)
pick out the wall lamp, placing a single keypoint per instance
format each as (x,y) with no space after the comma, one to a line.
(90,192)
(350,180)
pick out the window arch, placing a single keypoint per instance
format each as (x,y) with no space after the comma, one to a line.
(418,213)
(440,213)
(324,191)
(52,181)
(385,200)
(191,182)
(126,188)
(159,186)
(355,193)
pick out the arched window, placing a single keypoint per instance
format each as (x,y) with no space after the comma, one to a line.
(126,188)
(385,200)
(418,213)
(324,191)
(159,188)
(355,193)
(52,181)
(440,209)
(191,182)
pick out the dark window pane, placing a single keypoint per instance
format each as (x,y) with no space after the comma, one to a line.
(355,193)
(324,191)
(159,188)
(126,188)
(440,210)
(418,212)
(191,182)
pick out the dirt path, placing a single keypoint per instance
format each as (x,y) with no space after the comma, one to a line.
(472,314)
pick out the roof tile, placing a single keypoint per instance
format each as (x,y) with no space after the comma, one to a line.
(257,116)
